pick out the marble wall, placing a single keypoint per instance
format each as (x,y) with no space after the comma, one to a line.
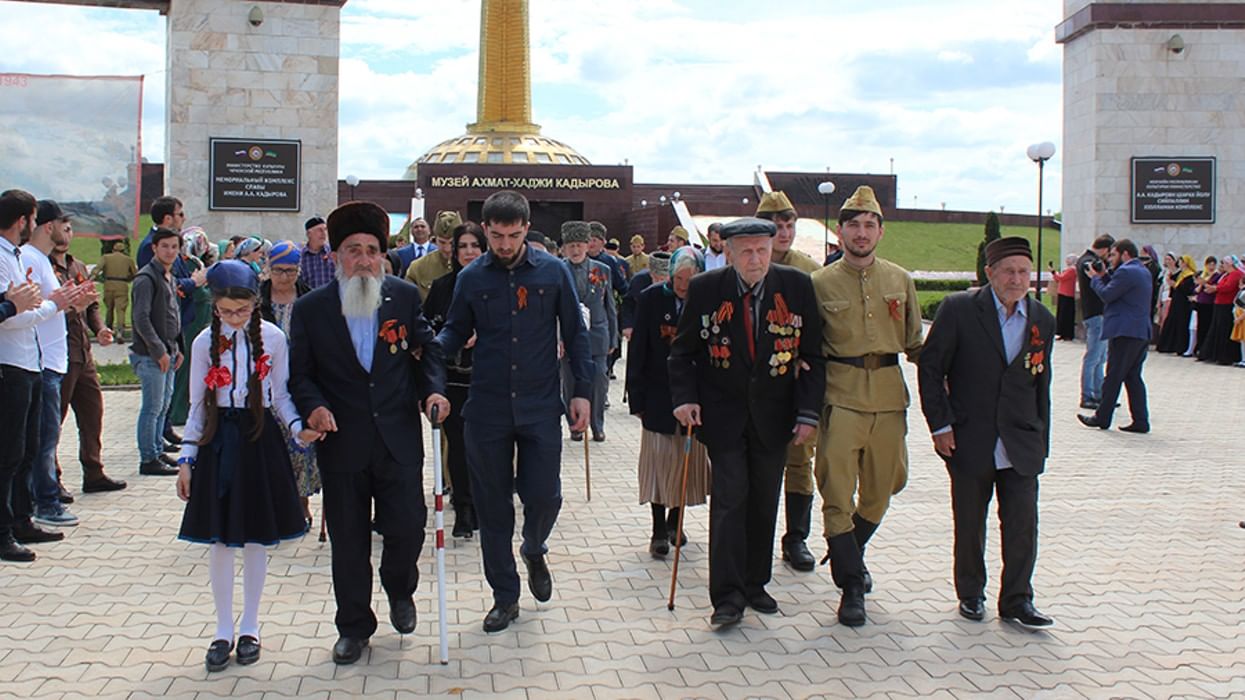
(227,78)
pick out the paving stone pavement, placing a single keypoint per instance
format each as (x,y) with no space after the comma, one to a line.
(1140,563)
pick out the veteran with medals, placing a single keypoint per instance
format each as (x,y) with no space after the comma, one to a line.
(869,315)
(742,372)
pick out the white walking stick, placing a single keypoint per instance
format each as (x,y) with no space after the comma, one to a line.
(439,521)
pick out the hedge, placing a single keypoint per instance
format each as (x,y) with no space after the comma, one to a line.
(942,285)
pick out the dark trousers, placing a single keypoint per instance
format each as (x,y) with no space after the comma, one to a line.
(970,504)
(747,478)
(495,476)
(80,389)
(452,427)
(1205,314)
(401,517)
(1065,317)
(21,397)
(1125,358)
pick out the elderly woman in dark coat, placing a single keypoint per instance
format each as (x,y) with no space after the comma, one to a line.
(648,386)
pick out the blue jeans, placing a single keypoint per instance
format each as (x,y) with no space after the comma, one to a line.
(157,396)
(44,488)
(1092,363)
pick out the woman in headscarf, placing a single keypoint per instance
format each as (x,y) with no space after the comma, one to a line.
(1166,276)
(1204,302)
(1174,334)
(1150,258)
(648,388)
(251,252)
(195,246)
(1065,308)
(1219,347)
(468,244)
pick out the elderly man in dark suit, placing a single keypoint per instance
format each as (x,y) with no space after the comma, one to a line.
(362,360)
(985,390)
(746,365)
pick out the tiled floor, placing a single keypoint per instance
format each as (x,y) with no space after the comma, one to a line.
(1141,563)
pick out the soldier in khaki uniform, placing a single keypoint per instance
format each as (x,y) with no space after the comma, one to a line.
(116,269)
(798,474)
(869,315)
(638,260)
(428,268)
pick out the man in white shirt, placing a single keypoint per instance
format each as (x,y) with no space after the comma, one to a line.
(715,257)
(21,383)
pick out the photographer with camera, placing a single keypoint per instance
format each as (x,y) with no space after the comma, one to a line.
(1125,291)
(1091,315)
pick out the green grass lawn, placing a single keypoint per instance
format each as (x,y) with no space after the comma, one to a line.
(88,249)
(917,245)
(118,374)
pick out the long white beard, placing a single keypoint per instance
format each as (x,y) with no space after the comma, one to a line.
(361,295)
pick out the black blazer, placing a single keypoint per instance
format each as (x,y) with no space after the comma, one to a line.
(325,372)
(648,382)
(739,392)
(967,383)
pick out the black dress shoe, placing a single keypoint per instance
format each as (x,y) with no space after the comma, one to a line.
(63,495)
(539,581)
(726,615)
(156,468)
(598,437)
(166,460)
(29,533)
(500,617)
(659,547)
(852,607)
(218,655)
(867,578)
(973,609)
(682,539)
(796,553)
(10,550)
(170,447)
(1134,428)
(172,436)
(347,650)
(102,484)
(1026,616)
(1089,405)
(577,437)
(1090,421)
(763,603)
(248,650)
(402,615)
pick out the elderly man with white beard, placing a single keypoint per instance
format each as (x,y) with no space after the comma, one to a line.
(363,359)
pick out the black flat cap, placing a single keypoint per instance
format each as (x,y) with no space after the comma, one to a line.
(748,226)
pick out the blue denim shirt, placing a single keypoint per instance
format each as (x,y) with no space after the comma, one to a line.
(515,314)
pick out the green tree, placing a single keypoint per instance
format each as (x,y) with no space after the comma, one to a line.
(992,234)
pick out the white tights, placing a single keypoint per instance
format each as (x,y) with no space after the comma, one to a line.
(220,571)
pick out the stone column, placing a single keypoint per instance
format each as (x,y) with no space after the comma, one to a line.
(228,78)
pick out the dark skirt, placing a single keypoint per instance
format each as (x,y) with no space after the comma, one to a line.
(1065,317)
(1219,346)
(1174,335)
(243,492)
(1205,312)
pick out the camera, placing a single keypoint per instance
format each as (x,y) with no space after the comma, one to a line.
(1099,265)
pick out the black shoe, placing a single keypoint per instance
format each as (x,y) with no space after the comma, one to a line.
(166,460)
(10,550)
(726,615)
(348,650)
(500,617)
(218,655)
(170,447)
(852,607)
(539,581)
(1026,616)
(248,650)
(102,484)
(659,547)
(172,436)
(1134,428)
(868,580)
(598,437)
(577,437)
(29,533)
(402,615)
(973,609)
(1089,405)
(796,553)
(156,468)
(465,521)
(63,494)
(1090,421)
(763,603)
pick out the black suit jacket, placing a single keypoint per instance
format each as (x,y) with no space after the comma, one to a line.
(324,371)
(967,383)
(745,392)
(648,381)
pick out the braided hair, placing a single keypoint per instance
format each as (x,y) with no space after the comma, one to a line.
(254,386)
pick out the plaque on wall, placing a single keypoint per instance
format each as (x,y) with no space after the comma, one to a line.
(1170,190)
(254,175)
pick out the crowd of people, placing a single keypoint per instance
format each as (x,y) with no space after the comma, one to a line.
(759,375)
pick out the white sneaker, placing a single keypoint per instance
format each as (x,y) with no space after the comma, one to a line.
(56,518)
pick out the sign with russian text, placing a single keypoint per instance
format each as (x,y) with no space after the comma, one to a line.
(1173,190)
(254,175)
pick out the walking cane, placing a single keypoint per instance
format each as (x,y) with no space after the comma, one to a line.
(678,534)
(439,522)
(587,470)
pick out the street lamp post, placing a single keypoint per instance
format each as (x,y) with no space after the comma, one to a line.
(826,189)
(352,181)
(1040,153)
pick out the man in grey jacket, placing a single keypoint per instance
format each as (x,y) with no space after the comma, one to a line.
(594,289)
(156,353)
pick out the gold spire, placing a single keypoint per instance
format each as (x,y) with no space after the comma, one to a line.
(504,100)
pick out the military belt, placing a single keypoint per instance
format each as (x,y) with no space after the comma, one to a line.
(870,361)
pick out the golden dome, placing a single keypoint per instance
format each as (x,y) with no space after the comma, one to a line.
(496,147)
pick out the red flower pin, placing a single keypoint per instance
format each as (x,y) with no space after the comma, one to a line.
(263,366)
(218,377)
(223,344)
